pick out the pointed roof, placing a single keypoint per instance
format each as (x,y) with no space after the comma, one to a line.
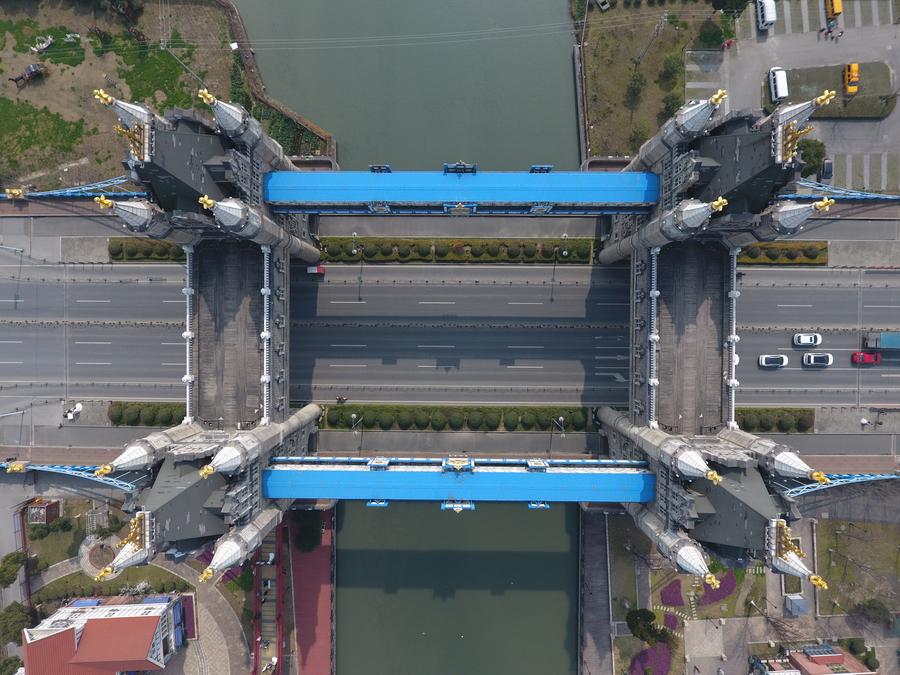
(118,644)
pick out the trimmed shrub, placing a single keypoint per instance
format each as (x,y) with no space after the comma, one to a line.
(387,249)
(438,421)
(812,252)
(511,421)
(493,249)
(513,251)
(457,420)
(544,420)
(492,420)
(578,420)
(370,250)
(348,248)
(160,250)
(750,422)
(160,586)
(773,253)
(475,419)
(871,662)
(334,249)
(786,423)
(132,415)
(115,413)
(857,646)
(441,250)
(404,420)
(792,254)
(805,423)
(530,250)
(176,252)
(164,415)
(547,250)
(107,590)
(368,419)
(385,420)
(131,249)
(115,248)
(422,419)
(334,417)
(148,415)
(424,250)
(528,421)
(403,250)
(181,585)
(753,252)
(146,249)
(459,248)
(476,250)
(170,586)
(766,422)
(583,250)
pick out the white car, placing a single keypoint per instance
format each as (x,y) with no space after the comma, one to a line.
(821,360)
(807,339)
(773,360)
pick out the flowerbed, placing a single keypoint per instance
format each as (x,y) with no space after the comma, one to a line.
(659,658)
(670,621)
(671,595)
(727,584)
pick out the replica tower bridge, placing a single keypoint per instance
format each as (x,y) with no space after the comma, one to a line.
(700,189)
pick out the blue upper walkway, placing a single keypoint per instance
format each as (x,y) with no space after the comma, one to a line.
(459,480)
(421,192)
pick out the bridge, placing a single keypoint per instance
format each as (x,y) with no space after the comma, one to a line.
(679,214)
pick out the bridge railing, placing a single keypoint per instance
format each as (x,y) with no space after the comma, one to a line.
(188,335)
(654,336)
(732,339)
(266,335)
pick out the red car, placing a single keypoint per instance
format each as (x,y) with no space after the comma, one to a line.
(866,358)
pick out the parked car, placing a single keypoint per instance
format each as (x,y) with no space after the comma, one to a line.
(817,359)
(315,270)
(866,358)
(807,339)
(773,360)
(778,86)
(826,171)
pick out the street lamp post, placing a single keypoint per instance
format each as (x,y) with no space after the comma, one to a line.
(354,422)
(354,243)
(686,44)
(562,428)
(566,251)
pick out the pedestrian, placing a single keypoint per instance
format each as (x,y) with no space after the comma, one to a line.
(832,36)
(841,33)
(259,638)
(822,30)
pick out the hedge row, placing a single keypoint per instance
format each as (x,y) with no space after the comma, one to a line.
(785,253)
(340,249)
(132,249)
(437,418)
(146,414)
(51,595)
(784,420)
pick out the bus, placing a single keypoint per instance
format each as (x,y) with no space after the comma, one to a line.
(833,8)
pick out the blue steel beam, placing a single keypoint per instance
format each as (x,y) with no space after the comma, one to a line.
(86,472)
(839,479)
(478,480)
(422,192)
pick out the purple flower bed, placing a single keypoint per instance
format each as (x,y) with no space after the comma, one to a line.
(727,584)
(670,621)
(658,658)
(671,596)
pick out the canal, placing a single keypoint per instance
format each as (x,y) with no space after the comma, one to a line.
(420,590)
(417,84)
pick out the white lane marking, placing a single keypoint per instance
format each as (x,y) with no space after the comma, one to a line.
(92,363)
(430,366)
(531,367)
(618,376)
(612,304)
(173,364)
(93,343)
(882,306)
(16,300)
(10,342)
(16,363)
(617,357)
(348,302)
(435,302)
(525,346)
(524,303)
(346,365)
(182,301)
(436,347)
(349,345)
(890,375)
(793,305)
(92,301)
(171,344)
(819,368)
(809,348)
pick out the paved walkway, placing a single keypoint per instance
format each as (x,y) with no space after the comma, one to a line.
(596,642)
(312,601)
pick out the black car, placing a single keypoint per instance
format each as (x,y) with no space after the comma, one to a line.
(827,170)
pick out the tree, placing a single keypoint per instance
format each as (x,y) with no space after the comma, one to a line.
(729,5)
(642,624)
(640,132)
(812,152)
(13,619)
(672,102)
(672,66)
(635,86)
(11,665)
(9,568)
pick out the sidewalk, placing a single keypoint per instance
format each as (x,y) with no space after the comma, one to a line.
(312,602)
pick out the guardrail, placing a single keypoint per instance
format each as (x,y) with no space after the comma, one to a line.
(188,336)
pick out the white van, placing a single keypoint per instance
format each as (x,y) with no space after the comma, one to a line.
(778,88)
(765,14)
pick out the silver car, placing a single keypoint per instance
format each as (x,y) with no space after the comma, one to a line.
(773,360)
(817,359)
(807,339)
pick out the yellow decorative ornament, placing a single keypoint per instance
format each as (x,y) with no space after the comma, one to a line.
(207,573)
(711,580)
(104,572)
(14,467)
(103,202)
(15,194)
(824,205)
(207,471)
(718,97)
(719,204)
(101,95)
(818,581)
(820,478)
(207,202)
(208,98)
(714,477)
(103,470)
(825,98)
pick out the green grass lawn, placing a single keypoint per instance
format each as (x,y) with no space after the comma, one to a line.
(622,586)
(624,651)
(80,584)
(875,97)
(59,546)
(28,134)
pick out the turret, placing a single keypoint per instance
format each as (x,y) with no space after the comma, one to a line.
(787,217)
(136,548)
(773,457)
(142,217)
(783,556)
(130,113)
(236,546)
